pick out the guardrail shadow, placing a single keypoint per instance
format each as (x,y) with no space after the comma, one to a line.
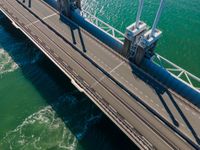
(159,91)
(52,83)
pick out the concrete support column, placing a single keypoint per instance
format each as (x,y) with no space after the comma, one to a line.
(64,7)
(78,3)
(29,3)
(126,48)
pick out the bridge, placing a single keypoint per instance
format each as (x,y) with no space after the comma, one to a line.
(150,113)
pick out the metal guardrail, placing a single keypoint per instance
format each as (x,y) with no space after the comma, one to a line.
(178,72)
(104,26)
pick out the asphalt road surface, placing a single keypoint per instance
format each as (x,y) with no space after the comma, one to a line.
(133,100)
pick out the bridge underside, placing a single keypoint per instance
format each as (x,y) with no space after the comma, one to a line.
(150,115)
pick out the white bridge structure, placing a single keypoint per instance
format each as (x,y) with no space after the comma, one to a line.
(178,72)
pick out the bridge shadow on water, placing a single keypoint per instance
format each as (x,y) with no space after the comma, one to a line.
(160,90)
(51,83)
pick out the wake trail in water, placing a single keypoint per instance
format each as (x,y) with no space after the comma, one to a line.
(7,64)
(15,51)
(11,62)
(46,130)
(41,130)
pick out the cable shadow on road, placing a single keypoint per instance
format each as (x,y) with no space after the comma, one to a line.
(156,87)
(159,91)
(74,27)
(184,117)
(167,109)
(69,23)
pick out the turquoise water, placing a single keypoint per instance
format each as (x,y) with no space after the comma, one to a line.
(180,22)
(40,109)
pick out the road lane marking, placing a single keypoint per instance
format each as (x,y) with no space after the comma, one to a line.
(106,75)
(47,47)
(39,39)
(117,67)
(194,113)
(163,109)
(182,125)
(32,23)
(186,108)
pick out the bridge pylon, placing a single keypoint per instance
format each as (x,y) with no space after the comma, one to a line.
(139,41)
(134,32)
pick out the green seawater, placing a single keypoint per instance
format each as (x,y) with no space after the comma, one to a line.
(180,22)
(41,109)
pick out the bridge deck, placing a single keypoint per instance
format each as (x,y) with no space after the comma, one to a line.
(112,83)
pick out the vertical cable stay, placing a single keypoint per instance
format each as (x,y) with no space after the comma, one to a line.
(139,12)
(157,18)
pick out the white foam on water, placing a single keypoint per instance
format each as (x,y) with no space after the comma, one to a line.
(22,58)
(16,53)
(41,130)
(7,64)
